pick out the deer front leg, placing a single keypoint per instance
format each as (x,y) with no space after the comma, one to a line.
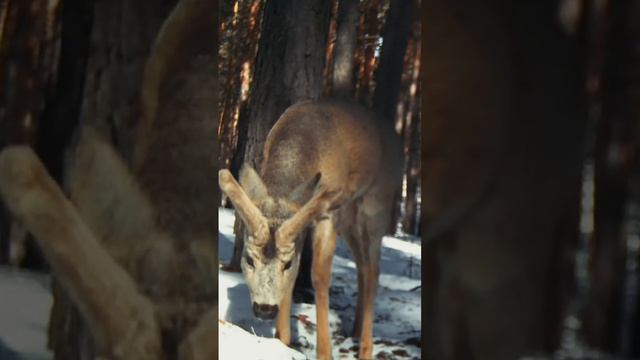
(324,245)
(283,323)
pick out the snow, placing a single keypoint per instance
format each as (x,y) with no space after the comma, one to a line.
(397,321)
(25,302)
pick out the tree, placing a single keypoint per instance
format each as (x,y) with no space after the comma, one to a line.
(505,115)
(615,180)
(342,81)
(28,48)
(388,74)
(289,68)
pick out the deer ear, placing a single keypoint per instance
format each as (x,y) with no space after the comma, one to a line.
(304,191)
(252,183)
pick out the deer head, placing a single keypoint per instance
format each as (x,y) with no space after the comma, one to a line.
(272,233)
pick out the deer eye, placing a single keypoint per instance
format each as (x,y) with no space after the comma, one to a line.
(287,265)
(249,260)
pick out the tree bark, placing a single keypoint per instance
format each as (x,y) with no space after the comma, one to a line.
(388,74)
(615,163)
(342,83)
(504,115)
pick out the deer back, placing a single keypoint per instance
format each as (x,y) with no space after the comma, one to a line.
(348,144)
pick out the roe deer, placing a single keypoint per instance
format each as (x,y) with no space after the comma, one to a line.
(133,247)
(331,165)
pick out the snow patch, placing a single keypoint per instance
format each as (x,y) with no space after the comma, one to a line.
(397,322)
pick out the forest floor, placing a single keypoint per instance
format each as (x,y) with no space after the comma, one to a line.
(397,323)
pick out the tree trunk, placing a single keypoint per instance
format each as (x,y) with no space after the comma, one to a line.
(289,69)
(62,108)
(369,29)
(504,114)
(29,46)
(342,83)
(615,163)
(388,75)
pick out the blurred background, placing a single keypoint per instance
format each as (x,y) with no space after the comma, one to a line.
(531,187)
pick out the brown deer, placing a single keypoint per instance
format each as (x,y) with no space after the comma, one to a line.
(332,166)
(133,248)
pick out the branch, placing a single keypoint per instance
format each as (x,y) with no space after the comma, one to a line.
(121,319)
(202,342)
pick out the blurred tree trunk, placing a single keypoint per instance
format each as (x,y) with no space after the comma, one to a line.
(63,101)
(616,162)
(342,81)
(633,28)
(505,119)
(29,45)
(607,251)
(289,68)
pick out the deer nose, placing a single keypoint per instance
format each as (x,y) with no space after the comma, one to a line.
(265,311)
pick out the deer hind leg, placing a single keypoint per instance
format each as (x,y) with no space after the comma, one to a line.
(357,324)
(283,323)
(370,226)
(324,245)
(368,271)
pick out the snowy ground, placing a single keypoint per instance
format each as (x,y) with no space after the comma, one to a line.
(25,302)
(397,322)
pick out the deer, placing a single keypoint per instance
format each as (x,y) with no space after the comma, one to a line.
(332,167)
(132,244)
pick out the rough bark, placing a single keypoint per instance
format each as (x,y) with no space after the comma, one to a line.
(502,142)
(342,83)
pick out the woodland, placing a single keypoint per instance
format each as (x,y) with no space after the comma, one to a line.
(118,104)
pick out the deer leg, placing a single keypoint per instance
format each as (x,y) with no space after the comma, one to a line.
(370,237)
(324,245)
(356,248)
(368,309)
(283,323)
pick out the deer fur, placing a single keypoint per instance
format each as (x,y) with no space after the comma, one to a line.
(133,246)
(330,165)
